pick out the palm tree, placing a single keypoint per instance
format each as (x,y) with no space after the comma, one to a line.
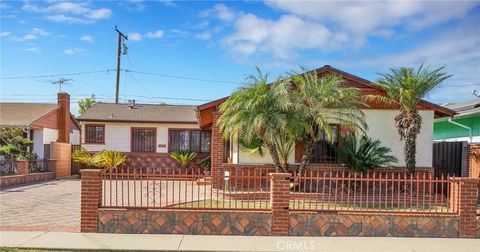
(321,102)
(112,159)
(405,87)
(258,111)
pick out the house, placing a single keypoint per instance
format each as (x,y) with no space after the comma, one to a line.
(381,125)
(147,133)
(464,126)
(43,123)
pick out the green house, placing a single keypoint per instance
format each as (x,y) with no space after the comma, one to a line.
(464,126)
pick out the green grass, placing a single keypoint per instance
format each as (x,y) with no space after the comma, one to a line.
(296,205)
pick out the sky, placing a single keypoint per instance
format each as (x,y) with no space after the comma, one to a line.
(193,52)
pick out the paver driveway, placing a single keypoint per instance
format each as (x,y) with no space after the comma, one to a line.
(47,206)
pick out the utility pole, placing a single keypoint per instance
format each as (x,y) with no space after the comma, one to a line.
(121,37)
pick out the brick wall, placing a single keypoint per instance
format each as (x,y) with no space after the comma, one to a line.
(161,161)
(63,117)
(464,200)
(184,222)
(473,160)
(331,224)
(23,177)
(62,152)
(279,200)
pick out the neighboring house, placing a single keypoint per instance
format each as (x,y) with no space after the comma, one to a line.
(43,123)
(464,126)
(381,125)
(146,132)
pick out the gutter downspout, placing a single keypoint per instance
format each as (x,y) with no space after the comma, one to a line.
(463,126)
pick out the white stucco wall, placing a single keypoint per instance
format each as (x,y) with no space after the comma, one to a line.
(381,125)
(117,136)
(49,135)
(75,137)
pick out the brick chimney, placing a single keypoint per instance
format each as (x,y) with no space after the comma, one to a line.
(63,117)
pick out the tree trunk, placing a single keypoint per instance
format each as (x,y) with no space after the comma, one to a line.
(276,161)
(307,153)
(410,150)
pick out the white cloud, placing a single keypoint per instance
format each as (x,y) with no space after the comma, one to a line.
(363,17)
(134,36)
(29,37)
(69,12)
(280,37)
(154,34)
(73,51)
(32,49)
(203,36)
(133,5)
(40,32)
(169,3)
(220,11)
(102,13)
(60,18)
(5,34)
(87,38)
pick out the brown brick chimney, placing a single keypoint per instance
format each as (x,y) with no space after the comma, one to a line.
(63,117)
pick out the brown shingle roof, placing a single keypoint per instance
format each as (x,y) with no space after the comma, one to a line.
(23,114)
(159,113)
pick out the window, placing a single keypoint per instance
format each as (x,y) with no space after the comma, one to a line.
(324,150)
(144,139)
(189,140)
(94,134)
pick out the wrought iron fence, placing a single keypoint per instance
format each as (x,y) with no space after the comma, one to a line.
(184,189)
(37,166)
(7,167)
(375,191)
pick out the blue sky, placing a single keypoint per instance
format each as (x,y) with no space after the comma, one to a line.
(224,41)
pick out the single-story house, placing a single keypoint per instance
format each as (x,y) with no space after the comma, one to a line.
(43,123)
(464,126)
(147,133)
(380,119)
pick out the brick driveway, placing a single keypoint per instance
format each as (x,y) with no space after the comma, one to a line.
(47,206)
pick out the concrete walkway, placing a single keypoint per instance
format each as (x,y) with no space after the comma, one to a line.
(70,241)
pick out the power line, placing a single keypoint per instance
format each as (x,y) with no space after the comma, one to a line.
(54,75)
(181,77)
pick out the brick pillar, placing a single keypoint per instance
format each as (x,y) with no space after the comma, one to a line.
(216,152)
(63,117)
(91,197)
(463,198)
(62,153)
(22,169)
(279,198)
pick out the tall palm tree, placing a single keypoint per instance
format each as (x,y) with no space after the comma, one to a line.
(321,102)
(258,111)
(405,87)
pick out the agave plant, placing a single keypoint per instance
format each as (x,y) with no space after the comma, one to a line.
(184,157)
(83,156)
(364,154)
(112,159)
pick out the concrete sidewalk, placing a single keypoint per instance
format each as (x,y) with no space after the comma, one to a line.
(89,241)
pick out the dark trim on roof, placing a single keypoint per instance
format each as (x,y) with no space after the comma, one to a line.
(137,121)
(440,109)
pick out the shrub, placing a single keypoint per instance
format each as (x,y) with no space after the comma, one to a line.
(184,157)
(364,154)
(112,159)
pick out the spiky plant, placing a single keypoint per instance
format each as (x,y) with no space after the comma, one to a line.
(83,156)
(184,157)
(405,87)
(111,160)
(364,154)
